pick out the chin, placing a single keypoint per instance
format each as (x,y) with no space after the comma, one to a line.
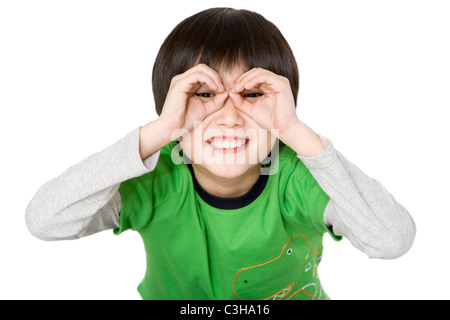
(229,171)
(225,157)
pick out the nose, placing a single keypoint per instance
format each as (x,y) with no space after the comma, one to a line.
(229,115)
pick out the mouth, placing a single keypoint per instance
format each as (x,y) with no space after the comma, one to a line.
(226,144)
(282,293)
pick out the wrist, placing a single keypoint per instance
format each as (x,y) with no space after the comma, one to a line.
(152,137)
(302,139)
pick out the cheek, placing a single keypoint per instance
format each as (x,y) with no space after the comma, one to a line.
(192,145)
(266,142)
(199,152)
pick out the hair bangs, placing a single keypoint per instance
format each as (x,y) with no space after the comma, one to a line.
(240,38)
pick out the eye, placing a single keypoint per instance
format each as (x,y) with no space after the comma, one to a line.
(205,95)
(289,251)
(253,95)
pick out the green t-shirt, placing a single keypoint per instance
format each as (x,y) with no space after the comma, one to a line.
(267,249)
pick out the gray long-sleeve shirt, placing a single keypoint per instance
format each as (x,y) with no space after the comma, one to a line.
(85,199)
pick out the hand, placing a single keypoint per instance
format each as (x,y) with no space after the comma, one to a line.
(185,105)
(267,98)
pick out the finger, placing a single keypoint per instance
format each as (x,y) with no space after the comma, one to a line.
(212,107)
(237,99)
(257,78)
(239,79)
(194,80)
(203,68)
(220,98)
(240,103)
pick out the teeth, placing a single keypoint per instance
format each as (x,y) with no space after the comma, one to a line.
(228,144)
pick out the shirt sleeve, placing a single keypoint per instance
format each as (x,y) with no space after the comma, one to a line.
(85,198)
(144,196)
(360,208)
(303,199)
(137,204)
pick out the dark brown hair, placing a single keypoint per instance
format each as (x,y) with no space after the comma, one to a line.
(223,38)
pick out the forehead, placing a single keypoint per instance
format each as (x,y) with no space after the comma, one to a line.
(228,74)
(222,63)
(231,72)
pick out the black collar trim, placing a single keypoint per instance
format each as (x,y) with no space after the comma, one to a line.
(230,203)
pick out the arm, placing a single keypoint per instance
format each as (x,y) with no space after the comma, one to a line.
(85,198)
(360,208)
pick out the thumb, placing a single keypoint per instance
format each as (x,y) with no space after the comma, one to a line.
(220,98)
(237,99)
(240,103)
(216,103)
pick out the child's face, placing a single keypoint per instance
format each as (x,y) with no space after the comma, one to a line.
(227,143)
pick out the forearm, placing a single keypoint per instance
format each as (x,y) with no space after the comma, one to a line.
(360,208)
(152,137)
(85,199)
(302,139)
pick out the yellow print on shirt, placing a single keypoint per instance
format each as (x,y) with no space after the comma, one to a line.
(293,272)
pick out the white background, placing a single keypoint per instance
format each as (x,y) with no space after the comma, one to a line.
(75,76)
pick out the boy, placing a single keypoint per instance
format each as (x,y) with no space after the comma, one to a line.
(229,190)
